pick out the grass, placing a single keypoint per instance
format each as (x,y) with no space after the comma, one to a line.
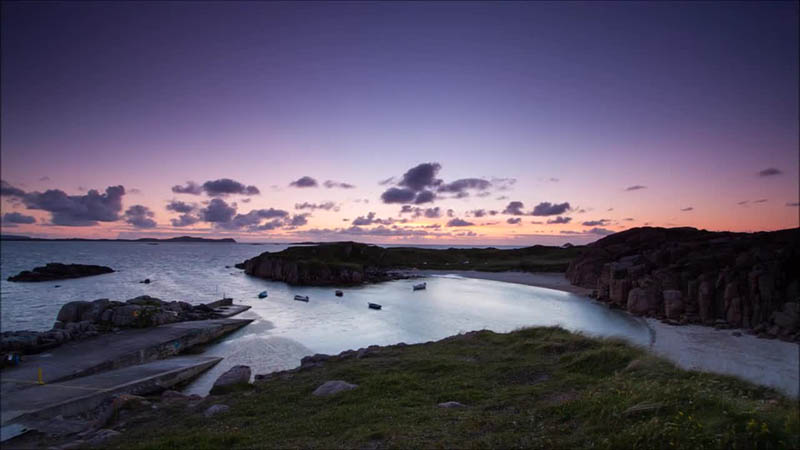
(533,388)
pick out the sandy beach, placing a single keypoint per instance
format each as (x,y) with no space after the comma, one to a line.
(772,363)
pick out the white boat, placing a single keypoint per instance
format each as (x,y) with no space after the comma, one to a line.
(301,298)
(421,286)
(374,306)
(339,293)
(262,294)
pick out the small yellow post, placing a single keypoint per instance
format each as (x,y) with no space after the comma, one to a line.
(41,381)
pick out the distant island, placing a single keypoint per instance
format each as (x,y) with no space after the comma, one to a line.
(12,237)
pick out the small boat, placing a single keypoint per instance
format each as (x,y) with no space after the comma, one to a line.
(339,293)
(301,298)
(262,294)
(374,306)
(421,286)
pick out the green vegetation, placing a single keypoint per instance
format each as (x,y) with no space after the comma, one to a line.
(534,388)
(350,255)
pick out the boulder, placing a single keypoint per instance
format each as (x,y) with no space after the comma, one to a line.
(333,387)
(235,378)
(216,409)
(126,316)
(72,311)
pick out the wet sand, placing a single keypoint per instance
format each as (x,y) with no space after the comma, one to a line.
(767,362)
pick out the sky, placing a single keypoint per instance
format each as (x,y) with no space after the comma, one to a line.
(466,123)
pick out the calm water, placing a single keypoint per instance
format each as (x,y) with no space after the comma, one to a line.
(285,330)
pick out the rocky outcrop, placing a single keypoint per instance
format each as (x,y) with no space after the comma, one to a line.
(81,319)
(741,280)
(58,271)
(236,377)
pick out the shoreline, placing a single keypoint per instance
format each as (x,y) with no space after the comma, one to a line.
(769,362)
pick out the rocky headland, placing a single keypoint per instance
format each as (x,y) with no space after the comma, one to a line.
(84,319)
(685,275)
(58,271)
(349,263)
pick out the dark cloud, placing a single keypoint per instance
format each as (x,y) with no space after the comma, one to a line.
(477,212)
(514,220)
(629,219)
(459,223)
(398,195)
(424,197)
(181,207)
(742,203)
(502,197)
(503,184)
(226,186)
(464,184)
(45,178)
(252,220)
(217,211)
(763,200)
(770,172)
(15,217)
(450,213)
(298,220)
(514,208)
(550,209)
(326,206)
(389,180)
(688,208)
(370,219)
(559,220)
(336,184)
(304,182)
(184,220)
(421,177)
(190,188)
(537,222)
(140,217)
(430,213)
(483,194)
(596,223)
(134,191)
(73,210)
(635,187)
(601,231)
(792,204)
(8,190)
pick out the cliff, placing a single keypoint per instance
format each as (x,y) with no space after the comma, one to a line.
(685,275)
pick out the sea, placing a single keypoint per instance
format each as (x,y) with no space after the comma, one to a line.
(285,330)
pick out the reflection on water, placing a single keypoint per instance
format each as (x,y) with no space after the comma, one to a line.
(285,330)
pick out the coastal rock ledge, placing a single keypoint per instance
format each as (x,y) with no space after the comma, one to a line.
(58,271)
(685,275)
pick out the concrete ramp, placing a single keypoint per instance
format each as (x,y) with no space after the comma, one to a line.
(113,351)
(29,407)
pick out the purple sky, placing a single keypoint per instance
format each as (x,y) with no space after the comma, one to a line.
(690,101)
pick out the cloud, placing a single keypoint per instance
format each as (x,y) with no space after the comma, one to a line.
(596,223)
(450,213)
(72,210)
(688,208)
(464,184)
(181,207)
(134,191)
(742,203)
(421,176)
(424,197)
(459,223)
(298,220)
(326,206)
(430,213)
(502,197)
(763,200)
(251,220)
(514,208)
(635,187)
(371,219)
(226,186)
(514,220)
(15,218)
(601,231)
(184,220)
(217,211)
(559,220)
(537,222)
(9,190)
(769,172)
(140,217)
(550,209)
(336,184)
(45,178)
(398,195)
(304,182)
(190,188)
(477,212)
(629,219)
(792,204)
(503,184)
(389,180)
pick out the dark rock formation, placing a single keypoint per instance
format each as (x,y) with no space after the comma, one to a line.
(81,319)
(58,271)
(740,280)
(237,377)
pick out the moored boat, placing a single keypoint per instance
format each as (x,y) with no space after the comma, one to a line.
(374,306)
(339,293)
(262,294)
(420,286)
(301,298)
